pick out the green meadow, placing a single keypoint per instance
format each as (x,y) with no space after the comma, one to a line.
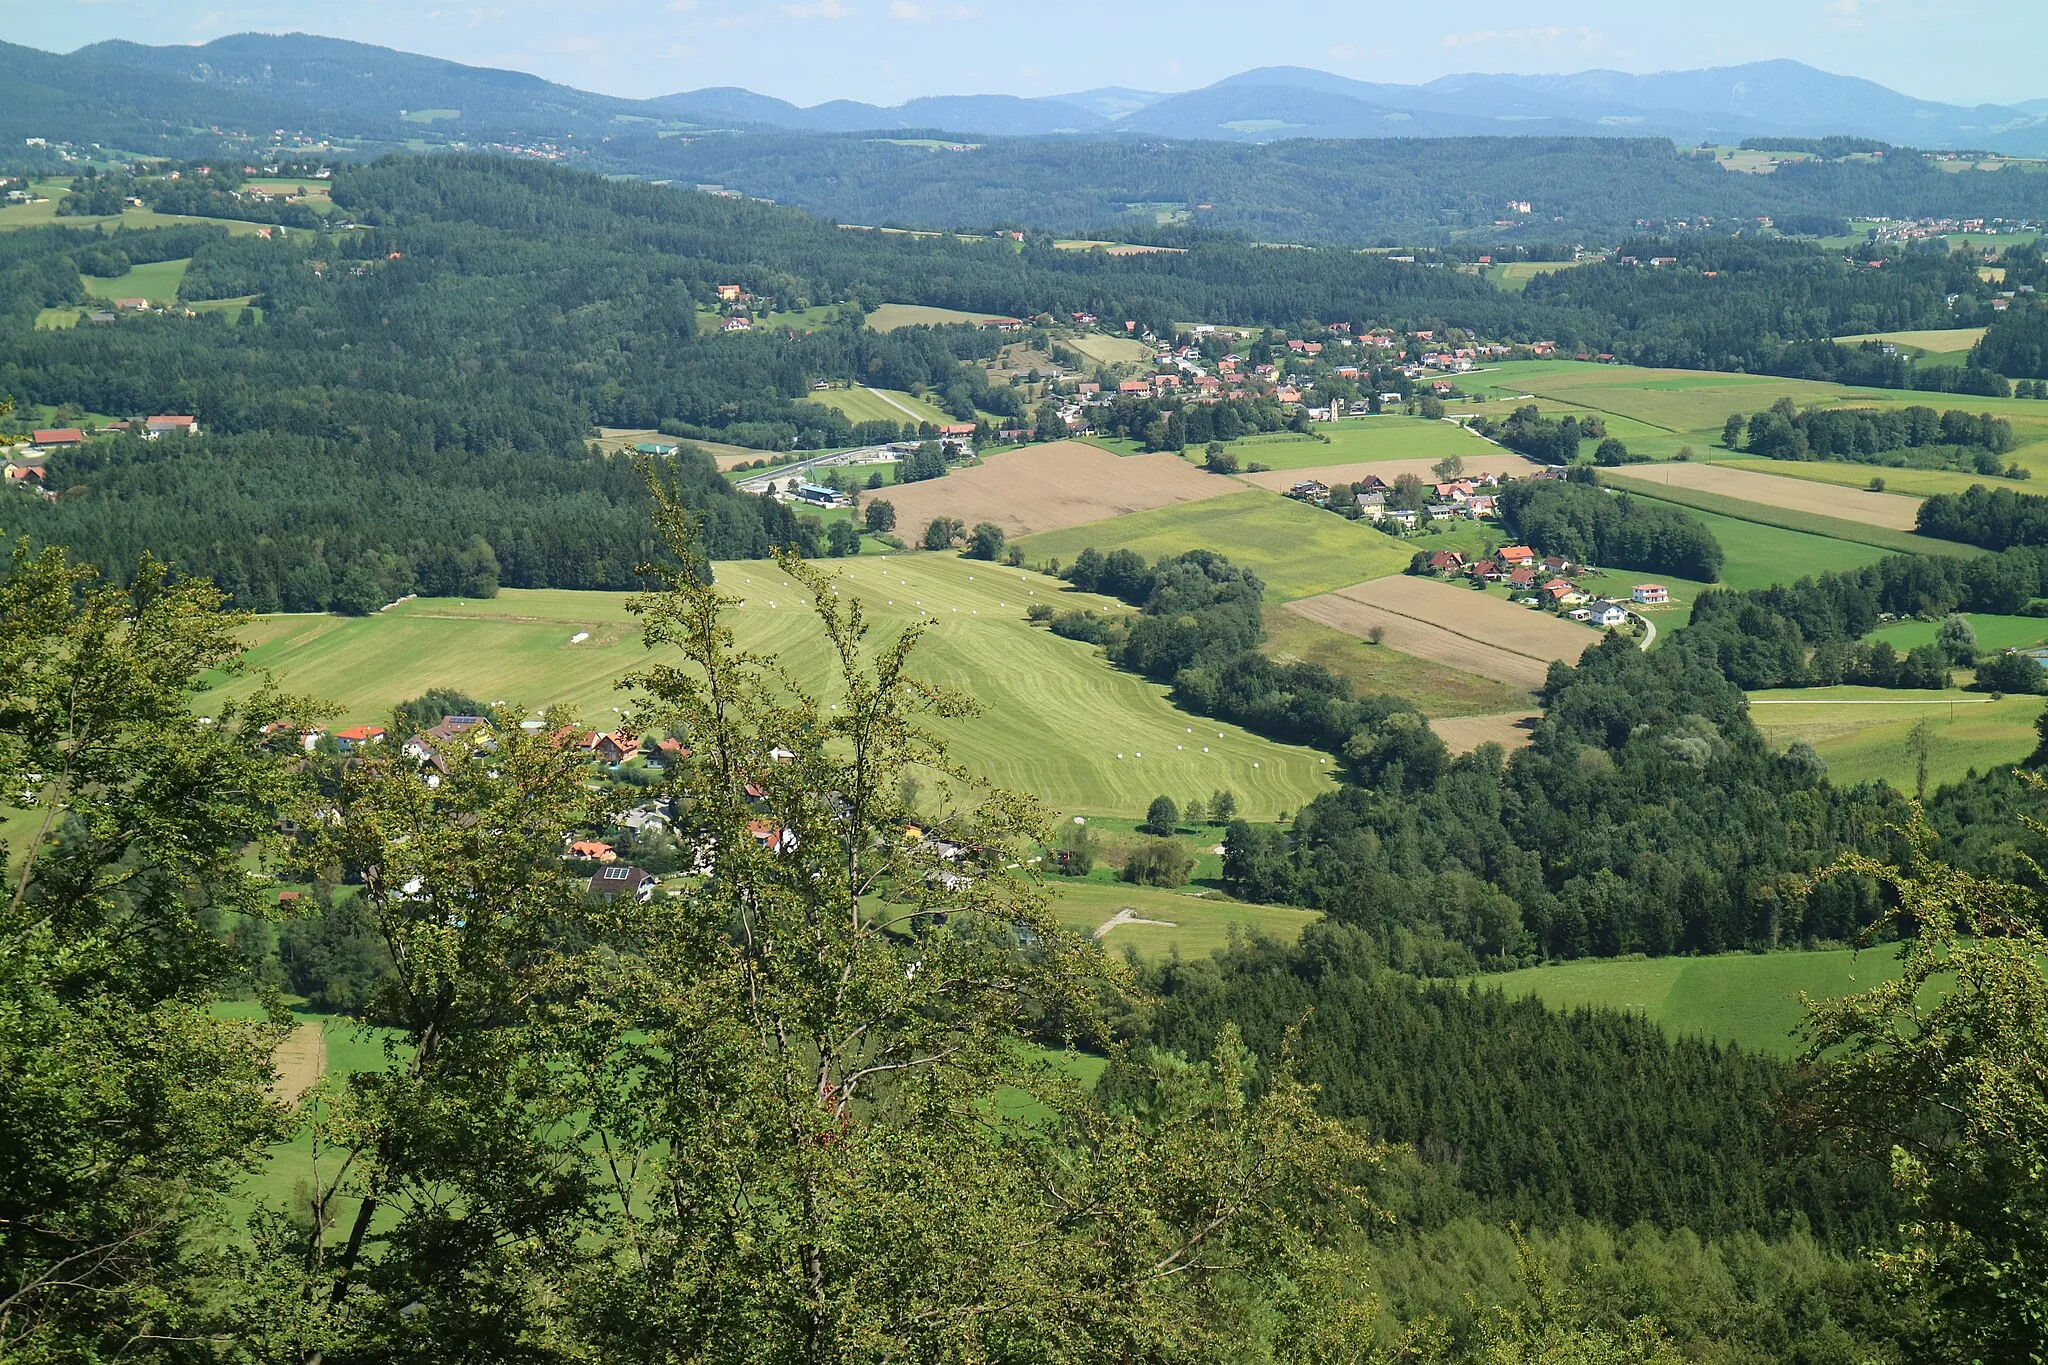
(1864,734)
(53,191)
(1993,632)
(1514,276)
(1187,922)
(1362,440)
(1056,720)
(1749,999)
(1297,549)
(1784,518)
(158,282)
(1919,483)
(879,405)
(1438,689)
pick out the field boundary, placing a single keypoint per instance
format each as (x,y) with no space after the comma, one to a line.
(1784,519)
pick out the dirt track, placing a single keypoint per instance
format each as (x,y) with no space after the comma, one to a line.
(1467,630)
(1050,487)
(1888,510)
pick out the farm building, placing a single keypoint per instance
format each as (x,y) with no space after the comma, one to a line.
(57,436)
(157,426)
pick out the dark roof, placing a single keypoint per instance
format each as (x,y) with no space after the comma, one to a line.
(619,880)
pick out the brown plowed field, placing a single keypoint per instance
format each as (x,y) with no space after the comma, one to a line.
(1469,630)
(1510,730)
(1888,510)
(1492,462)
(1049,487)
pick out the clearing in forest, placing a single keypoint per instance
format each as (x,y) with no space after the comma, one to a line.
(890,316)
(1048,487)
(1886,510)
(1510,730)
(1474,631)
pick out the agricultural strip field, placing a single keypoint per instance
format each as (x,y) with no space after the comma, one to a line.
(1945,341)
(1887,511)
(890,316)
(1803,523)
(1057,721)
(1298,550)
(1915,483)
(1473,631)
(1749,999)
(1510,730)
(1862,732)
(1673,400)
(1360,440)
(1192,924)
(1493,461)
(1758,556)
(158,282)
(1438,690)
(1050,487)
(879,405)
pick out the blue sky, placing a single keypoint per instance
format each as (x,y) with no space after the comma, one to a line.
(1962,51)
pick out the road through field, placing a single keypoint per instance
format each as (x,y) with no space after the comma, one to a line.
(1886,510)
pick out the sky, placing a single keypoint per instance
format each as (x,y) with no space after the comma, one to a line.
(886,51)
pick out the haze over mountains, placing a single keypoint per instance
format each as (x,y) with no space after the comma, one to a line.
(323,84)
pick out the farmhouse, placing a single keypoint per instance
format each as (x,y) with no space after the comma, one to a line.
(615,881)
(1651,594)
(157,426)
(615,747)
(56,436)
(1516,556)
(1446,561)
(1311,490)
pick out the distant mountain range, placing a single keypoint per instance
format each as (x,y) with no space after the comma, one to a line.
(327,85)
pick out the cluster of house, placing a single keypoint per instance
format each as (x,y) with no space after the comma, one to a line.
(45,439)
(1548,580)
(1921,229)
(1473,499)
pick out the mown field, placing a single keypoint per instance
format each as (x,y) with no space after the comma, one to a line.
(1786,519)
(1863,733)
(1437,688)
(1298,550)
(1515,275)
(1749,999)
(1363,440)
(1056,720)
(1947,341)
(1185,921)
(890,316)
(880,405)
(1993,631)
(1109,350)
(157,281)
(1918,483)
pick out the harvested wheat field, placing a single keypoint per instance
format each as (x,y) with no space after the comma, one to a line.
(300,1061)
(1050,487)
(1492,462)
(1888,510)
(1510,730)
(1467,630)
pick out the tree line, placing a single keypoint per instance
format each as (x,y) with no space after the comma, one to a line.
(1589,525)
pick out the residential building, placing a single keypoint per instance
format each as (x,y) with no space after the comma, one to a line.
(615,881)
(358,736)
(1651,594)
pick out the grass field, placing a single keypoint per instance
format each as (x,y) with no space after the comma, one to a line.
(158,282)
(889,316)
(1515,275)
(1862,731)
(1750,999)
(1057,720)
(1298,550)
(880,405)
(1363,440)
(1993,632)
(1194,925)
(53,192)
(1439,690)
(1886,511)
(1760,555)
(1109,350)
(1917,483)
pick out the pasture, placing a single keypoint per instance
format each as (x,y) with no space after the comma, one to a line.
(1758,555)
(880,405)
(1298,550)
(1993,632)
(1514,276)
(158,282)
(1469,630)
(1109,350)
(1438,690)
(1749,999)
(1049,487)
(1367,440)
(1862,732)
(1057,721)
(889,316)
(1161,922)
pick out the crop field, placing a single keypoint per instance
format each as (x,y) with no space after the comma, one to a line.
(158,282)
(1049,487)
(1361,440)
(1473,631)
(1749,999)
(1914,483)
(1438,690)
(1805,523)
(1109,350)
(1674,400)
(1298,550)
(890,316)
(1193,924)
(1494,460)
(1862,732)
(1057,721)
(880,405)
(1943,342)
(1993,632)
(1888,511)
(1509,729)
